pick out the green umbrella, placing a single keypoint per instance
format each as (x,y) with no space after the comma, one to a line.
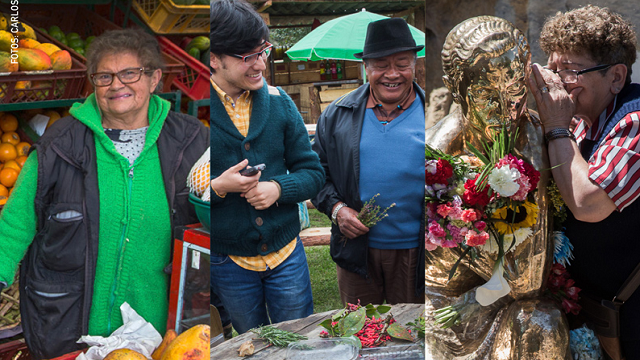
(340,38)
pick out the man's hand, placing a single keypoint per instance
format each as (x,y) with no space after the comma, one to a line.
(263,195)
(348,222)
(232,181)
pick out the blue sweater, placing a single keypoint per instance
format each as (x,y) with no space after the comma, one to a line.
(278,138)
(392,164)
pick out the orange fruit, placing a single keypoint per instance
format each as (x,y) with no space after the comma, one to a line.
(8,122)
(53,116)
(23,148)
(4,191)
(20,160)
(3,200)
(13,165)
(11,137)
(8,176)
(8,152)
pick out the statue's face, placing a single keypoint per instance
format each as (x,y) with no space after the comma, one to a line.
(496,91)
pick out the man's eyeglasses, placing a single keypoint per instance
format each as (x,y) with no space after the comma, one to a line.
(571,76)
(252,58)
(126,76)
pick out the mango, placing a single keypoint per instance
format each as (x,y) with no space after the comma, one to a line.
(48,48)
(169,336)
(125,354)
(5,40)
(61,60)
(28,43)
(192,344)
(33,59)
(5,63)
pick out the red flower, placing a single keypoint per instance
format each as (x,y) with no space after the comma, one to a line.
(444,170)
(469,215)
(571,306)
(532,174)
(475,239)
(471,195)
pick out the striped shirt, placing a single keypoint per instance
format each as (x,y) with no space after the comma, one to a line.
(616,163)
(240,114)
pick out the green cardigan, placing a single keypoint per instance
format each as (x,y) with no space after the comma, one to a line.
(135,240)
(278,138)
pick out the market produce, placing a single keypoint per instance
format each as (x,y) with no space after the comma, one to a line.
(25,32)
(277,337)
(169,336)
(192,344)
(48,48)
(125,354)
(28,43)
(33,59)
(198,48)
(5,40)
(5,63)
(61,60)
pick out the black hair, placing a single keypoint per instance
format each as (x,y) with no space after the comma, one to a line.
(236,27)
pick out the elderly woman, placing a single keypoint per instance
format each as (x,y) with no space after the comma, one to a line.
(588,77)
(97,200)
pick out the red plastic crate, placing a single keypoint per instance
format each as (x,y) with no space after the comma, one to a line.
(194,80)
(14,350)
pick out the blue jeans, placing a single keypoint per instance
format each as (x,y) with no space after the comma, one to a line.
(254,297)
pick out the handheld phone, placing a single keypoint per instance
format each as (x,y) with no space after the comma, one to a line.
(252,170)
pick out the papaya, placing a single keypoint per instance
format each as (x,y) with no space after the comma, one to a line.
(192,344)
(3,22)
(5,63)
(48,48)
(25,31)
(169,336)
(6,39)
(124,354)
(28,43)
(33,59)
(61,60)
(22,85)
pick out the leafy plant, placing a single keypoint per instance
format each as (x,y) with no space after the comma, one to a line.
(277,337)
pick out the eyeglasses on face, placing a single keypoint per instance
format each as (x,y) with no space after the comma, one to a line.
(571,76)
(126,76)
(252,58)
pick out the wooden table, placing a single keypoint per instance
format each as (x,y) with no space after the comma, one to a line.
(228,350)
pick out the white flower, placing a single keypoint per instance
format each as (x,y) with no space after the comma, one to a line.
(495,288)
(432,166)
(504,181)
(491,246)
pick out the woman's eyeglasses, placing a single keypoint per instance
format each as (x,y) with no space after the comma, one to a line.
(571,76)
(126,76)
(251,59)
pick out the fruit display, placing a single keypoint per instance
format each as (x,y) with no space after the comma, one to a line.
(197,48)
(13,154)
(32,55)
(71,39)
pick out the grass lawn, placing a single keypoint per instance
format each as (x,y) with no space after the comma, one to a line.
(324,283)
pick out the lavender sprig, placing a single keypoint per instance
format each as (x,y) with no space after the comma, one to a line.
(371,214)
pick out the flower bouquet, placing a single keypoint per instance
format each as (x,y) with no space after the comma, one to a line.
(486,202)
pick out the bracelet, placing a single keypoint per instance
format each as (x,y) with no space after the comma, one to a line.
(558,134)
(279,188)
(334,215)
(218,195)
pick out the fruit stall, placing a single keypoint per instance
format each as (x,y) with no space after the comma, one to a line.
(49,76)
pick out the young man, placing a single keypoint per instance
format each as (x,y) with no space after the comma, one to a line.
(371,141)
(258,264)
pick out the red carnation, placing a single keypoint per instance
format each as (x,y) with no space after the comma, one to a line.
(471,195)
(444,170)
(532,174)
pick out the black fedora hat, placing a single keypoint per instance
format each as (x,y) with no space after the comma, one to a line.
(386,37)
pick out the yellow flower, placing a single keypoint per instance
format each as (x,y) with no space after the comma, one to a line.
(526,216)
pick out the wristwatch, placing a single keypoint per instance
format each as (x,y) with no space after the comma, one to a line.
(334,214)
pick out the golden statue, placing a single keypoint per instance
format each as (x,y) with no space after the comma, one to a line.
(486,64)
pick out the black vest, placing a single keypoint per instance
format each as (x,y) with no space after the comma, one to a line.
(607,252)
(57,273)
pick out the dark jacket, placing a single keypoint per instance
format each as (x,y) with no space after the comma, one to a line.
(278,138)
(338,139)
(62,257)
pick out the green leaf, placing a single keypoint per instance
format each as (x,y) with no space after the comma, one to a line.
(373,313)
(455,266)
(478,153)
(353,322)
(399,332)
(338,315)
(383,309)
(327,325)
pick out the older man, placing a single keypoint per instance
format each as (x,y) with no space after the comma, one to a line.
(371,141)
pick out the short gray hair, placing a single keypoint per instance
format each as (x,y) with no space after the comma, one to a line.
(132,41)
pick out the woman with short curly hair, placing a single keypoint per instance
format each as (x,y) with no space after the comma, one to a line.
(596,166)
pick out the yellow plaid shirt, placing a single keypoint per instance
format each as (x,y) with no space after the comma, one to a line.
(240,114)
